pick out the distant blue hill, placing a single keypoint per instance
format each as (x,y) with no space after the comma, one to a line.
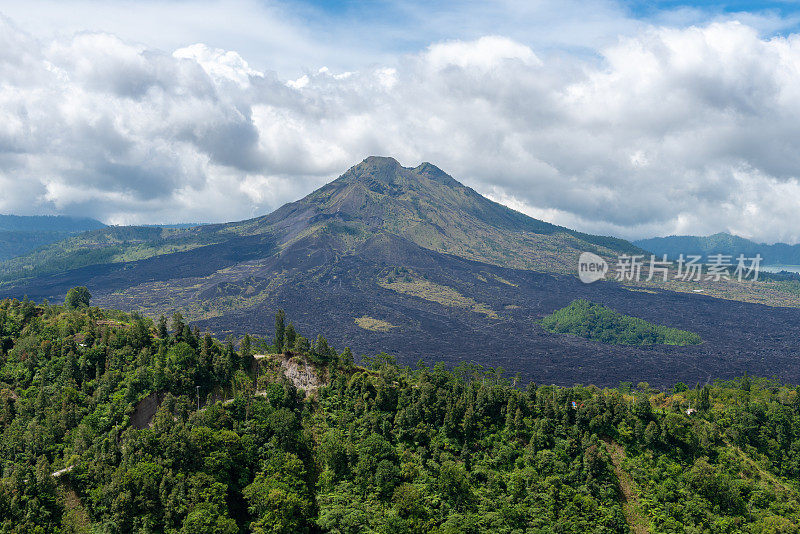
(721,243)
(21,234)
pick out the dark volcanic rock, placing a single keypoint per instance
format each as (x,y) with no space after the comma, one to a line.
(326,260)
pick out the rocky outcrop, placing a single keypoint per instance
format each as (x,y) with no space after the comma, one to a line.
(146,409)
(302,373)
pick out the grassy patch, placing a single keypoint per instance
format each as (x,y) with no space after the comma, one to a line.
(640,290)
(501,280)
(376,325)
(789,286)
(433,292)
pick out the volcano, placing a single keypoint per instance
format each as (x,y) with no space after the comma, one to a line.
(411,262)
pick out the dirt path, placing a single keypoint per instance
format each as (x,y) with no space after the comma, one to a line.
(763,473)
(629,495)
(61,472)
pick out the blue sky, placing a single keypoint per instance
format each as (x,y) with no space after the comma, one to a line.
(408,13)
(403,13)
(646,8)
(641,9)
(292,37)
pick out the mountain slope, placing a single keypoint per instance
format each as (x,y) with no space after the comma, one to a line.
(430,208)
(721,243)
(454,276)
(423,204)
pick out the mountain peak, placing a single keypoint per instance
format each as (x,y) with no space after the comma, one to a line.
(381,167)
(381,161)
(375,170)
(434,210)
(378,172)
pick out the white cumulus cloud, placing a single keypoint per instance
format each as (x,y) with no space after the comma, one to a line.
(667,130)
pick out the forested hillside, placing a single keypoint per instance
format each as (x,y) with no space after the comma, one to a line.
(373,448)
(601,323)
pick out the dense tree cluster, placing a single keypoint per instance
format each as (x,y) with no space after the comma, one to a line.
(597,322)
(377,448)
(78,297)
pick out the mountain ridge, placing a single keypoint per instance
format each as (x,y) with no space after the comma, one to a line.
(721,243)
(22,234)
(432,209)
(423,204)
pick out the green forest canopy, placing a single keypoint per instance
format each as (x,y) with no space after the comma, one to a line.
(380,448)
(600,323)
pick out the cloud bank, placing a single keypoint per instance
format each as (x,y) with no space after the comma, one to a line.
(690,130)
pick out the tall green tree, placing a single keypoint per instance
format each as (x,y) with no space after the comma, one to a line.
(178,326)
(705,400)
(280,330)
(346,359)
(302,345)
(247,353)
(291,336)
(78,297)
(163,331)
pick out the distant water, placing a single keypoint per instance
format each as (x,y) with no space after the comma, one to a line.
(779,268)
